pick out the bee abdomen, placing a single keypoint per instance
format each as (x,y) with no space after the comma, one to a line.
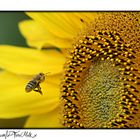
(30,86)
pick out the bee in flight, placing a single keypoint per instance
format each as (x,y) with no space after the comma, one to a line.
(34,84)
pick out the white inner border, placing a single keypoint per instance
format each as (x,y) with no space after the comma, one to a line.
(51,5)
(75,5)
(69,134)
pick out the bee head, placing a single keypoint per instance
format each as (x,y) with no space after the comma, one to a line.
(41,74)
(41,77)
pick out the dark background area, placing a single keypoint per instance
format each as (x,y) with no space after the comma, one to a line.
(10,35)
(9,32)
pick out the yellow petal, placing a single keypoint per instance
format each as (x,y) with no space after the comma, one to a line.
(46,120)
(86,16)
(30,61)
(15,102)
(54,28)
(39,37)
(63,24)
(54,79)
(55,22)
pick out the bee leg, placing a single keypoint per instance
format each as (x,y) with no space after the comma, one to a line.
(38,89)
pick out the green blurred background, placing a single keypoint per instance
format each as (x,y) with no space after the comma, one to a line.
(10,34)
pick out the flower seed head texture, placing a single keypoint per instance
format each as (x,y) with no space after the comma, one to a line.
(101,86)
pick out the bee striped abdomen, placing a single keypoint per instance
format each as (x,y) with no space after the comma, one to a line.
(30,86)
(34,84)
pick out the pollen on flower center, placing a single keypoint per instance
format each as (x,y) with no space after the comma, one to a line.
(100,94)
(101,83)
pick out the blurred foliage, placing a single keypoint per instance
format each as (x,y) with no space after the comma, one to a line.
(10,34)
(12,123)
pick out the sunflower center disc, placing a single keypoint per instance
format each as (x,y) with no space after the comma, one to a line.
(101,84)
(100,92)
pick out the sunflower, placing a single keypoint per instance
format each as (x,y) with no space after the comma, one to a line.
(94,79)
